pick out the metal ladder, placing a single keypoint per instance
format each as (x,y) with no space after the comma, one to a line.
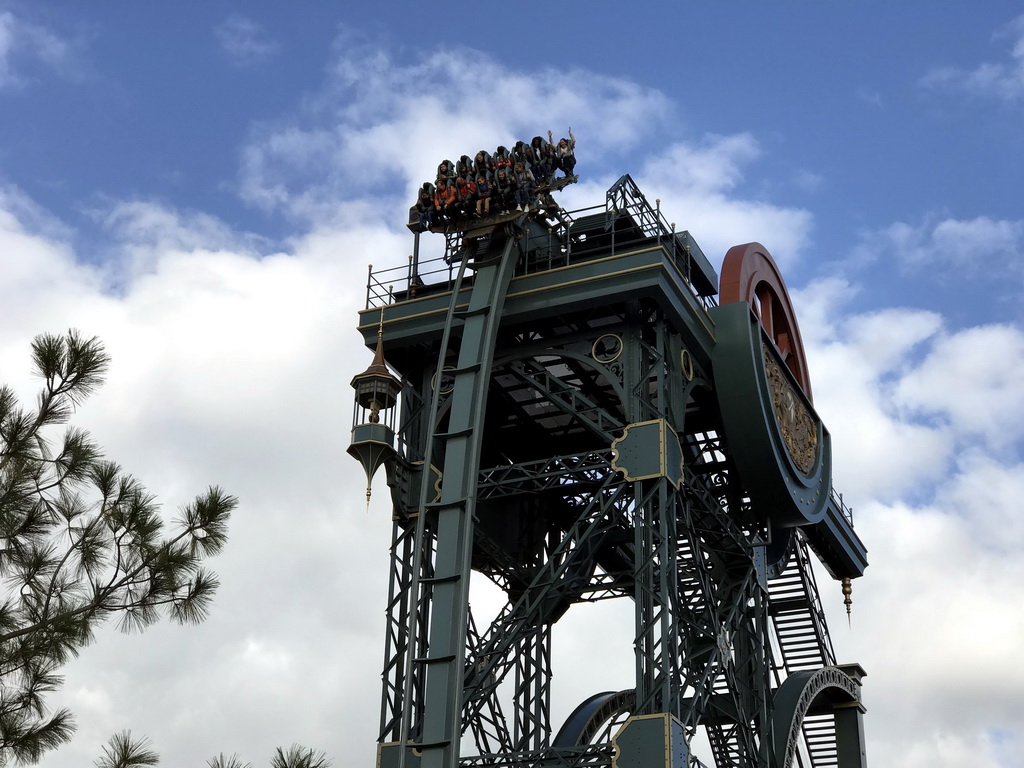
(446,580)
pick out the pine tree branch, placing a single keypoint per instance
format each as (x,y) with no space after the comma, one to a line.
(70,563)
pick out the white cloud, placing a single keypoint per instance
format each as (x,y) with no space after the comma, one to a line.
(855,364)
(712,168)
(936,619)
(43,282)
(24,43)
(703,182)
(967,243)
(973,379)
(700,186)
(939,621)
(373,128)
(1003,80)
(244,42)
(146,230)
(987,491)
(378,124)
(951,251)
(229,367)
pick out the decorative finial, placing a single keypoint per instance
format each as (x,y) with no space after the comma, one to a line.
(847,600)
(380,323)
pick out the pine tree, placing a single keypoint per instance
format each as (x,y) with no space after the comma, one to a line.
(122,751)
(220,761)
(299,757)
(81,541)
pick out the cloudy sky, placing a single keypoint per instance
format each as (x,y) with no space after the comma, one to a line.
(203,184)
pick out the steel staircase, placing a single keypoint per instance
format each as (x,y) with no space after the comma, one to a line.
(803,643)
(801,636)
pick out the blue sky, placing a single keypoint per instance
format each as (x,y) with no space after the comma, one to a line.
(863,115)
(203,184)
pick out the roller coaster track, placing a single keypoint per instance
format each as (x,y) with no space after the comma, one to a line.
(446,581)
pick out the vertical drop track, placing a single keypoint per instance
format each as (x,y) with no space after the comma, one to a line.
(451,516)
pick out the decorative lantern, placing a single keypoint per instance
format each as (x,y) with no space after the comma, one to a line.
(373,440)
(376,388)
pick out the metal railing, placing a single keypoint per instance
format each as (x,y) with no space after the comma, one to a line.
(625,221)
(846,511)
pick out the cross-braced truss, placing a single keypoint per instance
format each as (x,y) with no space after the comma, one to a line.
(509,464)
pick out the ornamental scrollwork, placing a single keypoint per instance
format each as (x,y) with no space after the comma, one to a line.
(799,429)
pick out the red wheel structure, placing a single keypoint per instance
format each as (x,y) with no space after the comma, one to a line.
(749,274)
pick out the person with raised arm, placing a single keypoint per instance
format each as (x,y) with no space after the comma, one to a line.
(565,153)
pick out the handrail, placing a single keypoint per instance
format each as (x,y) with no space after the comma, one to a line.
(630,221)
(846,511)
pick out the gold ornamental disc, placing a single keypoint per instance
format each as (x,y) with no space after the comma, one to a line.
(799,430)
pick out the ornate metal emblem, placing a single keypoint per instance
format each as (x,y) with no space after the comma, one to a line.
(607,349)
(799,430)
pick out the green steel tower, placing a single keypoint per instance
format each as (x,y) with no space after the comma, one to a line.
(573,406)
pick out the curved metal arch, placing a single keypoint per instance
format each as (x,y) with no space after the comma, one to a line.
(750,274)
(590,716)
(801,693)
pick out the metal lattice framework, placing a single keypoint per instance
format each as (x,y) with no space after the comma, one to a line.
(562,432)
